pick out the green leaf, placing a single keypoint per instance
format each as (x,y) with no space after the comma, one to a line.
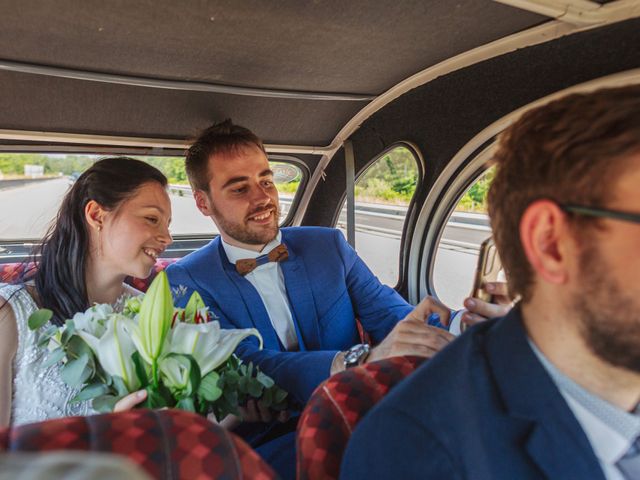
(76,346)
(267,398)
(45,336)
(104,403)
(54,357)
(120,386)
(209,389)
(254,388)
(265,380)
(279,395)
(89,392)
(154,399)
(186,404)
(38,318)
(75,372)
(141,370)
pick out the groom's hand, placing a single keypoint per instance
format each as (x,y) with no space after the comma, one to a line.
(412,336)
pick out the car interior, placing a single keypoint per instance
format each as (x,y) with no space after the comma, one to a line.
(333,89)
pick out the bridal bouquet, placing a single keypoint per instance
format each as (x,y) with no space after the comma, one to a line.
(179,356)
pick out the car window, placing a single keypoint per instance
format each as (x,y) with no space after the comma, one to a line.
(383,193)
(459,244)
(32,187)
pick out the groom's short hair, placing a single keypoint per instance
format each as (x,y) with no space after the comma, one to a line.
(219,138)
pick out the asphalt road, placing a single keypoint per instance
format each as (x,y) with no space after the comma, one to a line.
(26,211)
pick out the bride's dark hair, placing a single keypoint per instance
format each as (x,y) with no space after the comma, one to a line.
(60,274)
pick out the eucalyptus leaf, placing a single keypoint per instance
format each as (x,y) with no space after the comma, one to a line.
(38,318)
(90,392)
(265,380)
(54,357)
(279,395)
(120,386)
(45,336)
(76,346)
(209,389)
(104,403)
(254,388)
(74,372)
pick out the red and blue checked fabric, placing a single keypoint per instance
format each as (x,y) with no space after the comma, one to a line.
(167,444)
(10,272)
(336,407)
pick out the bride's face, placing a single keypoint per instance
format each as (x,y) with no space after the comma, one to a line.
(137,232)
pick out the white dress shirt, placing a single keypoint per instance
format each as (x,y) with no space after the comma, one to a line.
(610,430)
(268,280)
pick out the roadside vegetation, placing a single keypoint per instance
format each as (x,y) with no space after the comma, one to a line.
(391,179)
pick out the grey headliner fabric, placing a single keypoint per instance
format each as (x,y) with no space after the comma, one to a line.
(327,46)
(355,46)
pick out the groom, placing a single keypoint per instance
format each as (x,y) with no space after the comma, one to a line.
(301,287)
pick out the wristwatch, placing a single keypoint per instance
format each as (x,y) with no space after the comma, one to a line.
(356,355)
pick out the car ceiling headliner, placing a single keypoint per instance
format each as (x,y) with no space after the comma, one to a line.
(353,47)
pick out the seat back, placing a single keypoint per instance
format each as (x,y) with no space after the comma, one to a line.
(11,272)
(167,444)
(336,407)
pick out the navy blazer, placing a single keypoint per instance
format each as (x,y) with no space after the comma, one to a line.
(483,408)
(327,285)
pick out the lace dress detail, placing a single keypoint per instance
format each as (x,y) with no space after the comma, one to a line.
(38,392)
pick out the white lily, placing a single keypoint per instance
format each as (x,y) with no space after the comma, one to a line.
(154,320)
(93,320)
(207,343)
(114,350)
(175,373)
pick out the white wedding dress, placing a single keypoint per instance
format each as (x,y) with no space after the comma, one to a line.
(38,392)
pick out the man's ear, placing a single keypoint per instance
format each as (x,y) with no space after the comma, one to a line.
(544,234)
(202,202)
(94,214)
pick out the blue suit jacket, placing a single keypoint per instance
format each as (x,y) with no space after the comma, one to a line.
(483,408)
(328,285)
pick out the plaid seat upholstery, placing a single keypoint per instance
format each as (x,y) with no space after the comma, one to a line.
(167,444)
(10,272)
(336,407)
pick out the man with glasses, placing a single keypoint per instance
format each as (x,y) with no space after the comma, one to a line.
(551,390)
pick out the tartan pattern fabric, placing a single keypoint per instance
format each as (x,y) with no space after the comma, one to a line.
(167,444)
(10,272)
(336,407)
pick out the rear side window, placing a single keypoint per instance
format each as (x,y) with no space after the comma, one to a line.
(32,187)
(457,251)
(383,193)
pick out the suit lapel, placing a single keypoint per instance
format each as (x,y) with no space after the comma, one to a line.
(556,441)
(250,299)
(300,297)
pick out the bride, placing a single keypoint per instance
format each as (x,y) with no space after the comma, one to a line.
(113,223)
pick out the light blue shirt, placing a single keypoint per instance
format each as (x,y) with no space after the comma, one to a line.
(610,430)
(268,280)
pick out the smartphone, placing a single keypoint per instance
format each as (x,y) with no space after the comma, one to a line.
(488,270)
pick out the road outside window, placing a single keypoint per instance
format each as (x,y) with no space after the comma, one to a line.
(383,194)
(457,253)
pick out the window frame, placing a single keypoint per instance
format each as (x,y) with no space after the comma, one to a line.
(412,211)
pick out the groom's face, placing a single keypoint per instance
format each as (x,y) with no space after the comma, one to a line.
(242,198)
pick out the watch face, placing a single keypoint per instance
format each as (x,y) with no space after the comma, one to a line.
(354,354)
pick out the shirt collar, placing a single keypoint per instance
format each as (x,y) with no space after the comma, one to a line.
(236,253)
(611,430)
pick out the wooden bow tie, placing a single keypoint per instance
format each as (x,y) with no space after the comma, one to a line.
(248,265)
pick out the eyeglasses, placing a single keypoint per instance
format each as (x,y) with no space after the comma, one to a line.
(601,213)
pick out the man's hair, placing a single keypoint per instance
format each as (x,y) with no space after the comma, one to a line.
(571,150)
(220,138)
